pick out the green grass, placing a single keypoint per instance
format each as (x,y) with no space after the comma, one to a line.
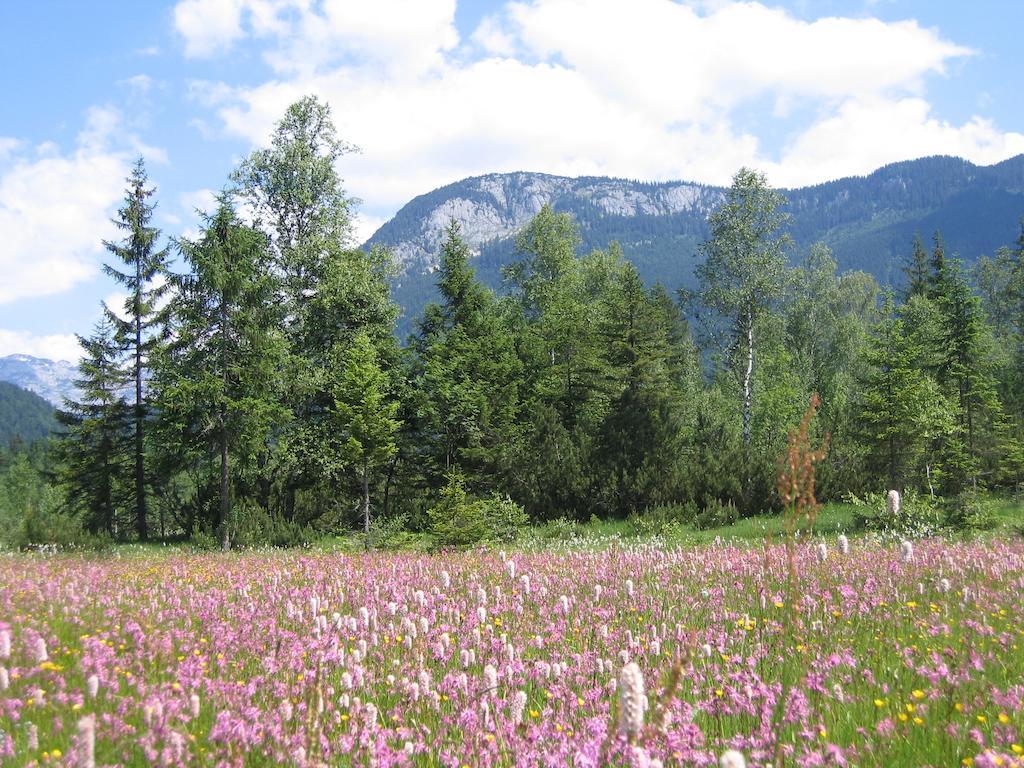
(833,518)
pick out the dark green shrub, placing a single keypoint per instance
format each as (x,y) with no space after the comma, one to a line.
(561,529)
(716,514)
(966,512)
(392,533)
(916,517)
(505,518)
(457,520)
(662,520)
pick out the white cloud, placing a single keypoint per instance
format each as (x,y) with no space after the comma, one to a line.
(208,26)
(116,303)
(137,83)
(366,225)
(867,133)
(202,200)
(53,347)
(646,89)
(398,35)
(55,208)
(7,147)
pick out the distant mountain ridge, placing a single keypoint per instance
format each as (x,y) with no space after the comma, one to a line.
(53,380)
(868,221)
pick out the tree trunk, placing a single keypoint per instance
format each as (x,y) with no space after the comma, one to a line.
(366,506)
(140,467)
(748,377)
(387,484)
(748,407)
(225,488)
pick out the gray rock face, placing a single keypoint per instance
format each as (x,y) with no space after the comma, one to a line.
(496,206)
(53,380)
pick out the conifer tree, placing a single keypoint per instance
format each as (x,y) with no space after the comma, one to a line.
(639,443)
(901,408)
(364,413)
(917,270)
(95,450)
(938,270)
(144,278)
(468,373)
(218,378)
(965,367)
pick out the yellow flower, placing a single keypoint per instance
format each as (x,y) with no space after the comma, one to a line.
(56,753)
(967,761)
(1017,749)
(1004,718)
(918,721)
(918,694)
(879,703)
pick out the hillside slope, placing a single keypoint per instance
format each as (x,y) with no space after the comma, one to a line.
(868,221)
(24,415)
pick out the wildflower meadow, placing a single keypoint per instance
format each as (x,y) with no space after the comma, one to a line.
(636,654)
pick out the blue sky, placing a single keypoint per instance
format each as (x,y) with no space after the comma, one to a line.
(433,91)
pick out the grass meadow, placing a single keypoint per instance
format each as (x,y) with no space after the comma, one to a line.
(598,649)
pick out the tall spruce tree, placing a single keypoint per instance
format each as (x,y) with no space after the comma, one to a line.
(966,370)
(640,442)
(902,410)
(95,451)
(558,297)
(917,270)
(938,271)
(364,415)
(218,379)
(144,279)
(468,374)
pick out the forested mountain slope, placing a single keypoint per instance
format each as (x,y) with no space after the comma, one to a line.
(869,222)
(24,415)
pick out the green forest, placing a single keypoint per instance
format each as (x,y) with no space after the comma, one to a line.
(253,390)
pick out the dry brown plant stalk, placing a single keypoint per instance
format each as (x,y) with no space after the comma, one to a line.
(796,486)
